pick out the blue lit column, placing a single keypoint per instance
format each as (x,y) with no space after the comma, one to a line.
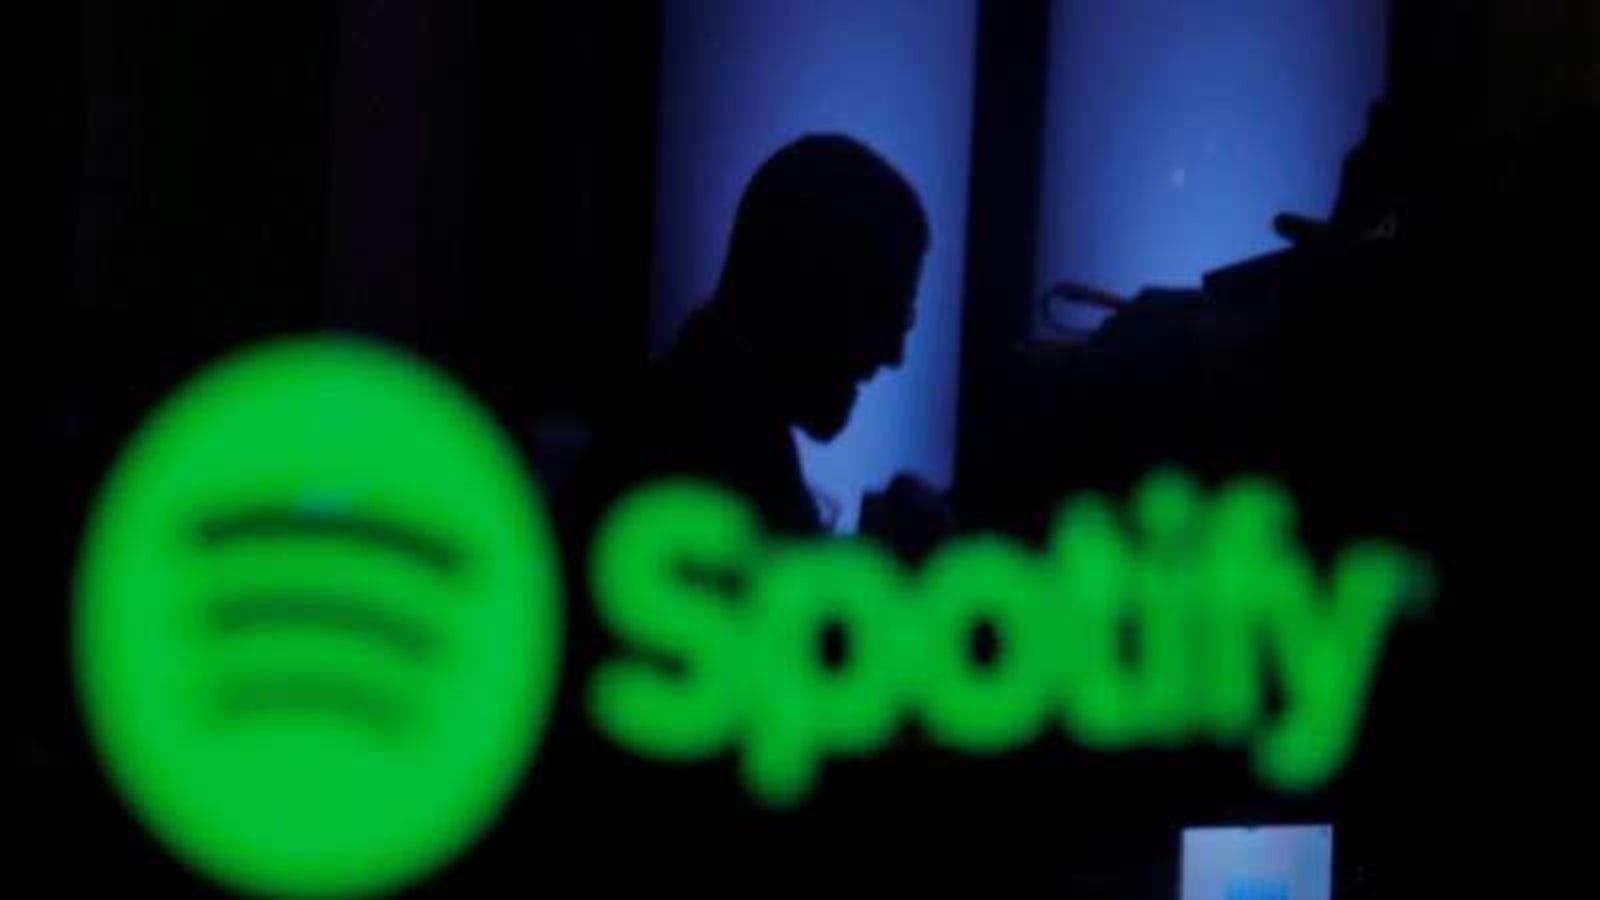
(1175,130)
(742,78)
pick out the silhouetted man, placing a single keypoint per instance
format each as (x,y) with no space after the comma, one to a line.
(815,297)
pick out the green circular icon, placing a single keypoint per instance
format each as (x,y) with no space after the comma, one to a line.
(318,620)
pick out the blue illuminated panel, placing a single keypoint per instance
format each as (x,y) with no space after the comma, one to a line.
(1271,863)
(1174,131)
(742,78)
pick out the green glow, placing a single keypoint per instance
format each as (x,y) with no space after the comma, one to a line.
(798,709)
(967,707)
(639,595)
(1157,626)
(318,620)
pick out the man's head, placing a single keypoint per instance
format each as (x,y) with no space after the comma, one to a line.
(822,273)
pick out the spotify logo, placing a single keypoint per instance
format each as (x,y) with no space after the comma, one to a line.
(1163,623)
(318,626)
(317,622)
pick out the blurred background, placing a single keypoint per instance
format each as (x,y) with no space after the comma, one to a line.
(1279,236)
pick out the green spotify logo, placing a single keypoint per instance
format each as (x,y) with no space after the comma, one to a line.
(1161,624)
(318,620)
(318,627)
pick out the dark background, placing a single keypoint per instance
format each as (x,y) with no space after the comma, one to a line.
(474,181)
